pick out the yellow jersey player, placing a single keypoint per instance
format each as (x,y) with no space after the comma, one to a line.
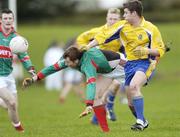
(143,47)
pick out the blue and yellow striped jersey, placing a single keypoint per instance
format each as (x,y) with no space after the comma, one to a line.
(87,36)
(145,35)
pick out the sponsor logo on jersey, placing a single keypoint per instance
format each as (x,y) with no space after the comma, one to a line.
(5,52)
(140,37)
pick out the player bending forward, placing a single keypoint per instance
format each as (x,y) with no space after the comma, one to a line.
(89,63)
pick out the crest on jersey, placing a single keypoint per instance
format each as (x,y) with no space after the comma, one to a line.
(140,37)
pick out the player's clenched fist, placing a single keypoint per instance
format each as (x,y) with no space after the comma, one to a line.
(140,51)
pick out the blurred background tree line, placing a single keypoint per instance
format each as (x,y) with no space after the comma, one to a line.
(83,11)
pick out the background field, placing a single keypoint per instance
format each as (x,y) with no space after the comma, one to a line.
(43,116)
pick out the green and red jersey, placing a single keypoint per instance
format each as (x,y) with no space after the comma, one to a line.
(6,56)
(92,62)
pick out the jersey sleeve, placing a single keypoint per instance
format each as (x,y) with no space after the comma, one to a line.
(84,38)
(51,69)
(157,42)
(100,38)
(25,60)
(91,74)
(108,35)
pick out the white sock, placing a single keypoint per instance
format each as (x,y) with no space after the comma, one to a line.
(16,125)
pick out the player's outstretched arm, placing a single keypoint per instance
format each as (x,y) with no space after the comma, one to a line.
(92,44)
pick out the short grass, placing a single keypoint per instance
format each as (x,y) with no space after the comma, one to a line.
(43,116)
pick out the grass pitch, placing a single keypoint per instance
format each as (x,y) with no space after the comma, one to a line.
(43,116)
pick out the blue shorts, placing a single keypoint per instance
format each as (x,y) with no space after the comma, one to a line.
(132,67)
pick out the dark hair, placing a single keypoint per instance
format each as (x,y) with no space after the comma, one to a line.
(134,5)
(6,11)
(73,53)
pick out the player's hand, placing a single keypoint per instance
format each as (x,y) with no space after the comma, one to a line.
(88,47)
(84,48)
(28,81)
(123,60)
(140,51)
(87,111)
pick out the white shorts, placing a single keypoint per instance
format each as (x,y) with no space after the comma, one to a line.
(117,73)
(9,83)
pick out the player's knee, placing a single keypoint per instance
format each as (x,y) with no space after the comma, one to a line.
(104,100)
(134,88)
(98,102)
(115,85)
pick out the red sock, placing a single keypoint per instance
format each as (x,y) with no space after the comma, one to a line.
(18,127)
(100,113)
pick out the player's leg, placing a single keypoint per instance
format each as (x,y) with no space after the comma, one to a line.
(130,105)
(99,106)
(118,77)
(8,94)
(100,114)
(102,83)
(137,100)
(109,98)
(2,84)
(123,95)
(11,102)
(94,120)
